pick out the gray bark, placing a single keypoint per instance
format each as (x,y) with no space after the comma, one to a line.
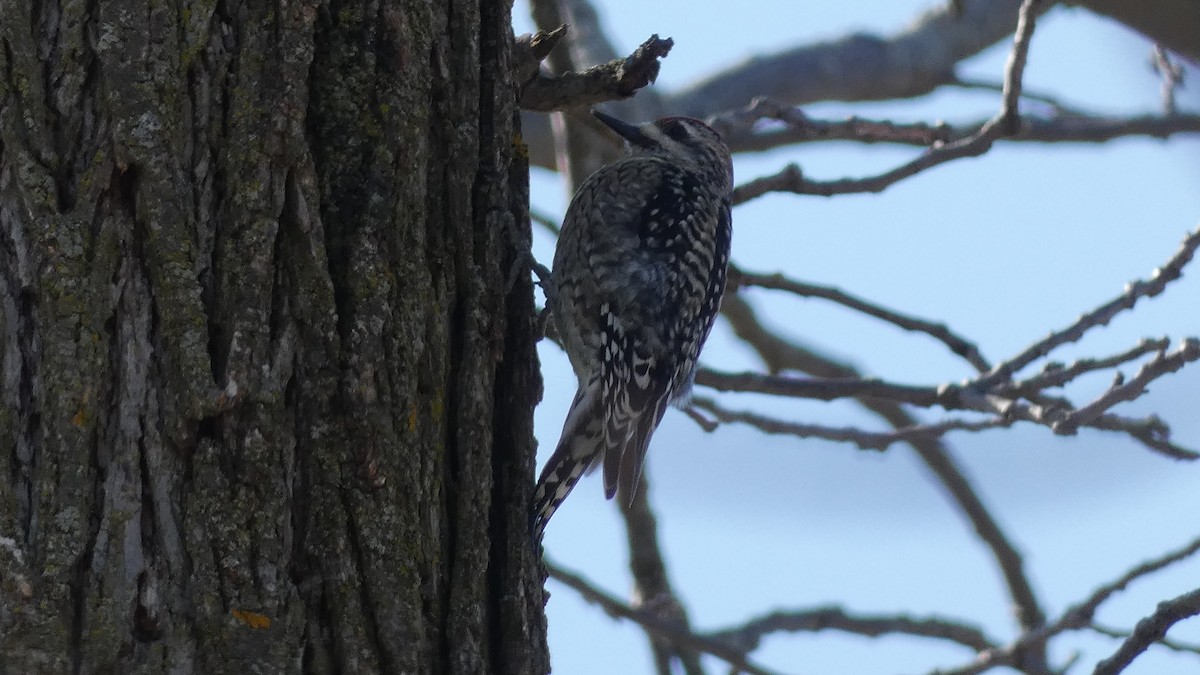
(320,206)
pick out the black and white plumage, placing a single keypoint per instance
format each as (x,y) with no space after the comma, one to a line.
(639,272)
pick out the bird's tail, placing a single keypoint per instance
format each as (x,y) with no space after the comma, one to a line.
(634,414)
(611,420)
(578,452)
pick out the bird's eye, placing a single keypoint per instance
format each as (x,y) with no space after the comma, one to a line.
(676,131)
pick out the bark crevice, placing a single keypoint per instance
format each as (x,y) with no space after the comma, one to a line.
(251,341)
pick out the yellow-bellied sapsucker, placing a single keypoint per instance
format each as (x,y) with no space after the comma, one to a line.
(638,276)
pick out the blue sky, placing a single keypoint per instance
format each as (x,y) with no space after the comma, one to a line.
(1004,248)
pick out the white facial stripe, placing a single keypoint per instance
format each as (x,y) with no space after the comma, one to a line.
(671,145)
(655,134)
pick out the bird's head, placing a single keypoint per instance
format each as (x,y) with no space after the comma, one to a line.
(685,140)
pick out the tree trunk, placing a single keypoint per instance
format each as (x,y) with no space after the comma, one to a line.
(267,364)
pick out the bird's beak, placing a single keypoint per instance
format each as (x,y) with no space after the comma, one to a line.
(627,131)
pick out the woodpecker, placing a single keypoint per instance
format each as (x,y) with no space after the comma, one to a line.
(639,271)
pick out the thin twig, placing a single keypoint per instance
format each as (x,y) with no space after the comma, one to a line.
(956,343)
(1077,617)
(1005,123)
(1014,69)
(865,440)
(1172,78)
(1151,630)
(1056,374)
(1075,128)
(1172,270)
(545,220)
(1080,615)
(1173,645)
(911,62)
(1052,101)
(1160,365)
(748,636)
(652,623)
(737,127)
(830,389)
(1151,431)
(780,355)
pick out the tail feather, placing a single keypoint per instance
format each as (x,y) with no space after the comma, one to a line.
(635,409)
(611,421)
(634,456)
(578,452)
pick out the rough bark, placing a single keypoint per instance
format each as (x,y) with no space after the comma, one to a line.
(266,360)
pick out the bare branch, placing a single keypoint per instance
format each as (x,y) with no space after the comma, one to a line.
(910,63)
(1160,365)
(833,388)
(791,178)
(999,401)
(1081,615)
(748,637)
(1100,316)
(615,80)
(1006,122)
(588,45)
(781,355)
(653,624)
(1014,69)
(1151,431)
(737,128)
(858,67)
(1097,129)
(829,82)
(1173,645)
(1151,630)
(545,220)
(1077,617)
(1172,78)
(1056,374)
(865,440)
(649,571)
(743,137)
(577,150)
(739,131)
(998,87)
(1011,564)
(1002,401)
(957,344)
